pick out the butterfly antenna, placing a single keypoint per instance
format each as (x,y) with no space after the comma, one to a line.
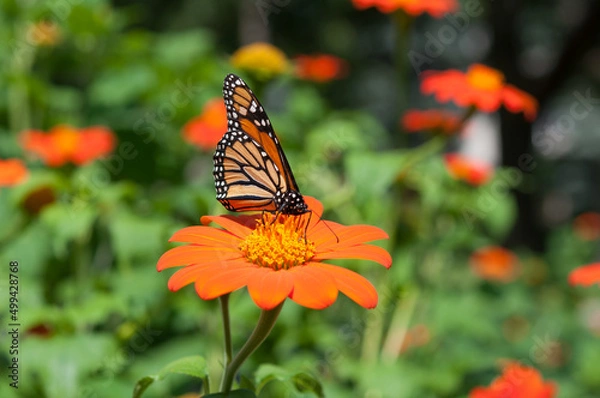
(337,238)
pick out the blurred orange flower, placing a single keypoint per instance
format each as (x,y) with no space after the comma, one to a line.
(469,170)
(64,144)
(587,226)
(320,68)
(263,59)
(415,120)
(206,130)
(482,87)
(12,172)
(275,257)
(517,381)
(416,336)
(585,275)
(43,33)
(437,8)
(495,263)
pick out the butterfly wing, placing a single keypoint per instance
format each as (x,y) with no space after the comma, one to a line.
(251,171)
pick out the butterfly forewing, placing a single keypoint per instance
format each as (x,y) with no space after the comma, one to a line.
(251,171)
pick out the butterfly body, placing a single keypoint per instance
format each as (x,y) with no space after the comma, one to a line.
(250,169)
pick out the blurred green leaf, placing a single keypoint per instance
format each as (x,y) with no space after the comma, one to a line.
(232,394)
(373,173)
(68,223)
(136,237)
(119,87)
(180,49)
(192,366)
(299,381)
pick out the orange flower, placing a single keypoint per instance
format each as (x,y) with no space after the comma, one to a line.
(64,144)
(585,275)
(469,170)
(439,121)
(275,258)
(206,130)
(587,226)
(43,33)
(416,336)
(482,87)
(495,263)
(12,172)
(320,68)
(437,8)
(263,59)
(517,381)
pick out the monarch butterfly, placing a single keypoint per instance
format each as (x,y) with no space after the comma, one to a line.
(250,169)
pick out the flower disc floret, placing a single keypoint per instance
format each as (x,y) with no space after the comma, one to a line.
(277,243)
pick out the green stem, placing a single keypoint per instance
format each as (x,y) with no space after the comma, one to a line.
(467,115)
(374,328)
(263,328)
(400,320)
(23,56)
(226,328)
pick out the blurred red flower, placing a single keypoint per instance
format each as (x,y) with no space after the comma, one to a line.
(482,87)
(587,226)
(12,172)
(495,263)
(585,275)
(434,120)
(320,68)
(517,381)
(206,130)
(64,144)
(276,257)
(469,170)
(436,8)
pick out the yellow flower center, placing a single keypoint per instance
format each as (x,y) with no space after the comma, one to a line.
(278,243)
(66,139)
(484,77)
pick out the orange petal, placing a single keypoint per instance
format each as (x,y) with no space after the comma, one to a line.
(353,285)
(192,254)
(315,206)
(313,287)
(235,225)
(364,252)
(206,236)
(268,288)
(225,281)
(351,236)
(586,275)
(191,273)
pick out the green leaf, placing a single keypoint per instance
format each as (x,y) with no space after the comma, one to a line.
(232,394)
(306,383)
(136,237)
(119,87)
(68,223)
(301,382)
(182,48)
(373,173)
(192,366)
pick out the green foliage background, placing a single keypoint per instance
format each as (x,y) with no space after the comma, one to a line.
(87,261)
